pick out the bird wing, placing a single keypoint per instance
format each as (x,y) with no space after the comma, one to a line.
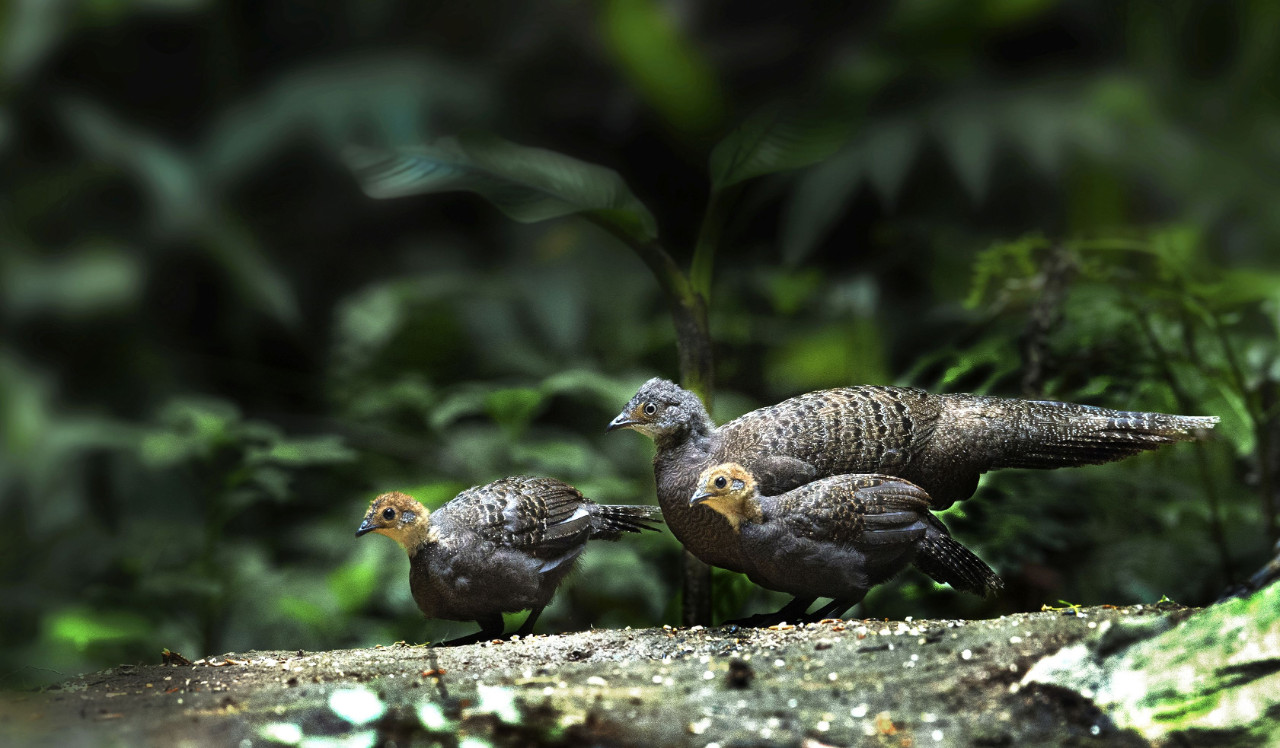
(849,430)
(775,474)
(861,510)
(541,516)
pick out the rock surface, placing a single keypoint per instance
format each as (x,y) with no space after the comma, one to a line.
(894,683)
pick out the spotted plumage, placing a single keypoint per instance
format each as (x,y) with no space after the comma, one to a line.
(942,443)
(836,537)
(497,548)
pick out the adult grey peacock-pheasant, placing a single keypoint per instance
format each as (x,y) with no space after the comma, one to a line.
(836,537)
(941,443)
(497,548)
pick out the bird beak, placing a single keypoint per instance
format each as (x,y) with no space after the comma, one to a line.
(366,527)
(699,497)
(623,421)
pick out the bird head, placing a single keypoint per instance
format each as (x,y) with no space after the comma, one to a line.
(399,517)
(662,409)
(728,489)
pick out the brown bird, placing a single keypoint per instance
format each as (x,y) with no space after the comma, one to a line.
(942,443)
(497,548)
(836,537)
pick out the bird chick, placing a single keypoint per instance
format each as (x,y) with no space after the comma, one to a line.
(498,548)
(942,443)
(837,537)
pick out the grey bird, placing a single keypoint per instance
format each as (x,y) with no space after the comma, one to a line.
(498,548)
(941,443)
(836,537)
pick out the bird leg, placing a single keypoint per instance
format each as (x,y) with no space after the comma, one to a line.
(834,609)
(490,628)
(526,628)
(792,611)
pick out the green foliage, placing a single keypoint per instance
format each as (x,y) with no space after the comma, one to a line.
(528,184)
(781,137)
(664,66)
(84,629)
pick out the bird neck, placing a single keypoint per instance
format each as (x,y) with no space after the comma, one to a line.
(737,510)
(417,536)
(697,435)
(749,511)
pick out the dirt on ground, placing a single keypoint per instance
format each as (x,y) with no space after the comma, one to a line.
(848,683)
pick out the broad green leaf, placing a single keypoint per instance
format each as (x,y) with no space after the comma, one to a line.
(820,197)
(1040,127)
(967,133)
(397,97)
(528,184)
(781,137)
(889,151)
(665,67)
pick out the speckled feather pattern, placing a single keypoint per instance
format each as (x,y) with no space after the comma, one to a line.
(505,546)
(942,443)
(839,536)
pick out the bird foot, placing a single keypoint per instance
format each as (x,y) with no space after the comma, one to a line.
(759,620)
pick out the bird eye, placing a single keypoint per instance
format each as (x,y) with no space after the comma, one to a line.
(650,409)
(721,482)
(388,513)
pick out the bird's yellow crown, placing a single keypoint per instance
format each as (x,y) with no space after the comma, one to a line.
(401,518)
(729,489)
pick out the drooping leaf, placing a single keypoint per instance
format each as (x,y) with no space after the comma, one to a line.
(528,184)
(397,97)
(889,152)
(966,130)
(781,137)
(815,205)
(1038,125)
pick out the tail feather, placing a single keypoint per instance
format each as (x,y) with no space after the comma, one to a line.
(609,521)
(1046,434)
(947,562)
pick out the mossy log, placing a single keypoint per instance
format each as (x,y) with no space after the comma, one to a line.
(882,683)
(1213,679)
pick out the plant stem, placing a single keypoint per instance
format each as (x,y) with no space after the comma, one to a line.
(1260,414)
(687,303)
(704,252)
(1216,531)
